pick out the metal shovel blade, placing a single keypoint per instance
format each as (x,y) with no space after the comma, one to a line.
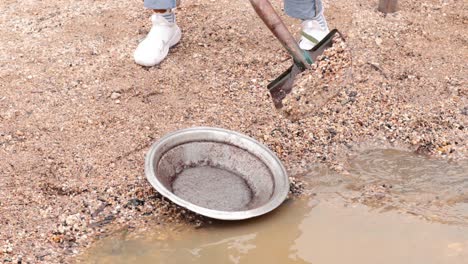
(282,86)
(324,44)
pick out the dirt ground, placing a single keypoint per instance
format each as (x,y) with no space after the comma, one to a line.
(77,115)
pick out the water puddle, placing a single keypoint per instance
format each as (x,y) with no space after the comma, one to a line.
(393,207)
(300,232)
(434,188)
(411,173)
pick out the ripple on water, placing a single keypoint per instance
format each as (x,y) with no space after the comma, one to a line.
(430,187)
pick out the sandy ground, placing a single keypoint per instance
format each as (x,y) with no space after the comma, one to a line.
(77,115)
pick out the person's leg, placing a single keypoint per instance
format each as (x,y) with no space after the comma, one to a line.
(314,25)
(164,33)
(162,7)
(160,4)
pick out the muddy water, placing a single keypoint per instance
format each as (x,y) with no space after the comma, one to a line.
(302,232)
(411,173)
(392,207)
(433,188)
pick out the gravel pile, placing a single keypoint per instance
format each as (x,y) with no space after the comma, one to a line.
(77,115)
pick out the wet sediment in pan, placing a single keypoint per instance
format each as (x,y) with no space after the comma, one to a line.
(206,187)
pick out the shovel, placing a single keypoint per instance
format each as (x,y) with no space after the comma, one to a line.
(302,59)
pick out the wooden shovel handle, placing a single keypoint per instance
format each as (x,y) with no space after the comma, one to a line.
(271,19)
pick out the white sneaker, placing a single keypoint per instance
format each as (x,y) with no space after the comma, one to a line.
(313,31)
(155,47)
